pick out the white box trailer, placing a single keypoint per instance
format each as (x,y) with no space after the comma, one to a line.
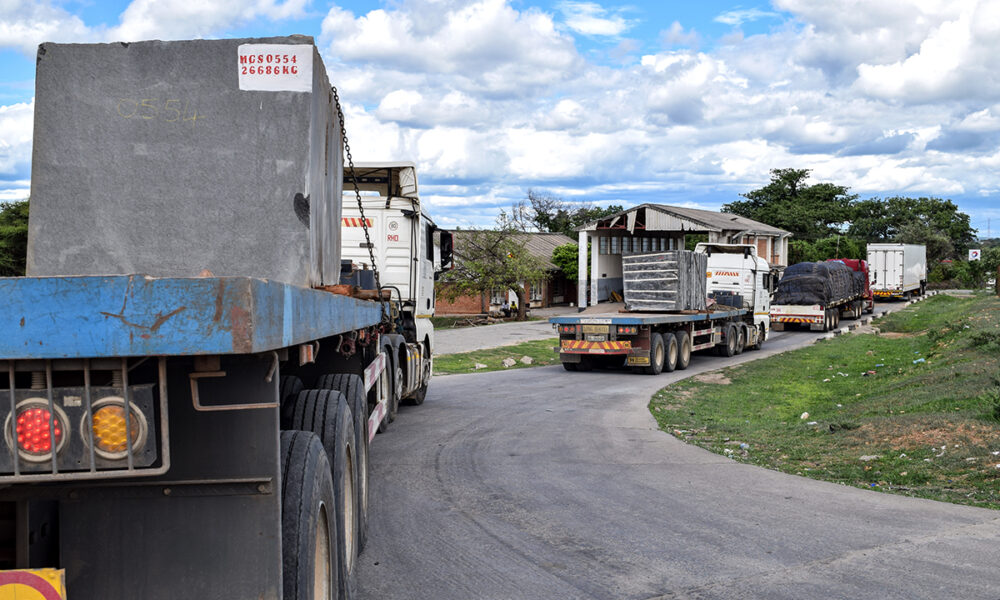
(897,270)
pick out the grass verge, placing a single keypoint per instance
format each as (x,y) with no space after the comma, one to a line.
(461,322)
(540,352)
(914,409)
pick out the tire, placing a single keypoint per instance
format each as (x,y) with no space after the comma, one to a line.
(732,338)
(420,395)
(760,338)
(397,390)
(308,527)
(585,364)
(672,352)
(683,349)
(826,320)
(836,318)
(741,339)
(288,388)
(657,354)
(569,366)
(326,414)
(353,389)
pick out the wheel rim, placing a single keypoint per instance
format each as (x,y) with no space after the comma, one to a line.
(350,515)
(322,573)
(674,353)
(398,391)
(659,355)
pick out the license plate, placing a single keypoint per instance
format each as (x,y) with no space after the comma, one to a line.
(597,338)
(596,329)
(637,360)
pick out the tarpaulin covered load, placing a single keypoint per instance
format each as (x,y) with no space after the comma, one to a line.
(819,283)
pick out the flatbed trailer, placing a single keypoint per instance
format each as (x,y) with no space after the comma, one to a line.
(818,317)
(194,504)
(651,342)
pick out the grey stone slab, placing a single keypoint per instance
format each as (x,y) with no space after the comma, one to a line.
(665,281)
(151,157)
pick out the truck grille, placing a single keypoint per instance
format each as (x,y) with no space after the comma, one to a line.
(83,419)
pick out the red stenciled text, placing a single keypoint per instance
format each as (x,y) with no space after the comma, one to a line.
(269,64)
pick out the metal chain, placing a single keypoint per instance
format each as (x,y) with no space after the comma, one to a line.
(361,208)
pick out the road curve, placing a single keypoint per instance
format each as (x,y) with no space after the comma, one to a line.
(541,483)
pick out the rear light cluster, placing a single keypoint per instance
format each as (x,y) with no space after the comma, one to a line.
(37,430)
(567,329)
(628,329)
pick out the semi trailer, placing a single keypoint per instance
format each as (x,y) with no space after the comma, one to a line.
(898,270)
(189,391)
(817,295)
(733,315)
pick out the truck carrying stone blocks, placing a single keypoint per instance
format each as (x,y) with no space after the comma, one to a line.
(665,281)
(173,158)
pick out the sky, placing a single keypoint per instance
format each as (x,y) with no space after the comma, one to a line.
(680,103)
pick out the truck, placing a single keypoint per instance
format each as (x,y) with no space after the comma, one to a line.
(735,318)
(898,270)
(817,295)
(189,392)
(396,233)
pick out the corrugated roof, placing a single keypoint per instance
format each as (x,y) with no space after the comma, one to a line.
(704,220)
(539,245)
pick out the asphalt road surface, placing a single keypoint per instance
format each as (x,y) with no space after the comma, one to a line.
(541,483)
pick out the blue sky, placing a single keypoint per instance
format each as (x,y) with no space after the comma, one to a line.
(687,103)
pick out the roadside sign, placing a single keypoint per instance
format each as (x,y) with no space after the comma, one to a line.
(33,584)
(975,254)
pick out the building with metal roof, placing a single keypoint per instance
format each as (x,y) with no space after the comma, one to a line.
(658,227)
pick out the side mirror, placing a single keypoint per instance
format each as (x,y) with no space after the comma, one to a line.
(447,251)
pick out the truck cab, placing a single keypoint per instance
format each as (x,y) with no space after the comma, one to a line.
(736,273)
(409,250)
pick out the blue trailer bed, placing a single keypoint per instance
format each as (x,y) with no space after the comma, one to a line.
(137,315)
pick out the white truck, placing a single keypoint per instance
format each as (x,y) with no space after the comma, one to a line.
(410,251)
(653,342)
(897,270)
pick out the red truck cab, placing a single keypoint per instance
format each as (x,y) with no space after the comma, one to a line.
(860,265)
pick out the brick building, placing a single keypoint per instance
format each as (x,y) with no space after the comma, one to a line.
(555,290)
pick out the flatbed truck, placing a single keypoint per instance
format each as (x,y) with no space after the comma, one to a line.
(654,342)
(188,391)
(824,317)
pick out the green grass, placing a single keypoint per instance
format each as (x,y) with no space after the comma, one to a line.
(540,351)
(933,425)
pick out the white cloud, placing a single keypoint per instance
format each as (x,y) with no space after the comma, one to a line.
(676,36)
(740,16)
(26,23)
(16,125)
(590,18)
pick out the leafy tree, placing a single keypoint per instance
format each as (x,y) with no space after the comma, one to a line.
(905,220)
(547,213)
(13,238)
(810,212)
(831,247)
(490,259)
(567,257)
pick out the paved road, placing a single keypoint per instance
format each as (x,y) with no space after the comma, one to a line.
(544,484)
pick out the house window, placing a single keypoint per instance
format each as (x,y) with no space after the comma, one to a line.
(626,245)
(536,291)
(604,245)
(645,244)
(614,245)
(498,296)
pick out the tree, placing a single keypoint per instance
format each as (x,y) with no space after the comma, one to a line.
(908,220)
(490,259)
(808,211)
(550,214)
(567,257)
(13,238)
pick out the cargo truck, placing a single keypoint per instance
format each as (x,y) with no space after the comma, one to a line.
(898,270)
(188,403)
(734,314)
(817,295)
(406,244)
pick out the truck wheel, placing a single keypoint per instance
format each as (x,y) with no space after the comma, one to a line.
(827,319)
(741,339)
(353,389)
(288,388)
(397,390)
(683,349)
(657,354)
(569,366)
(836,318)
(673,350)
(732,340)
(325,413)
(759,343)
(308,524)
(585,364)
(425,369)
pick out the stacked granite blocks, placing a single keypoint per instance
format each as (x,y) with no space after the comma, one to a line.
(665,281)
(175,159)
